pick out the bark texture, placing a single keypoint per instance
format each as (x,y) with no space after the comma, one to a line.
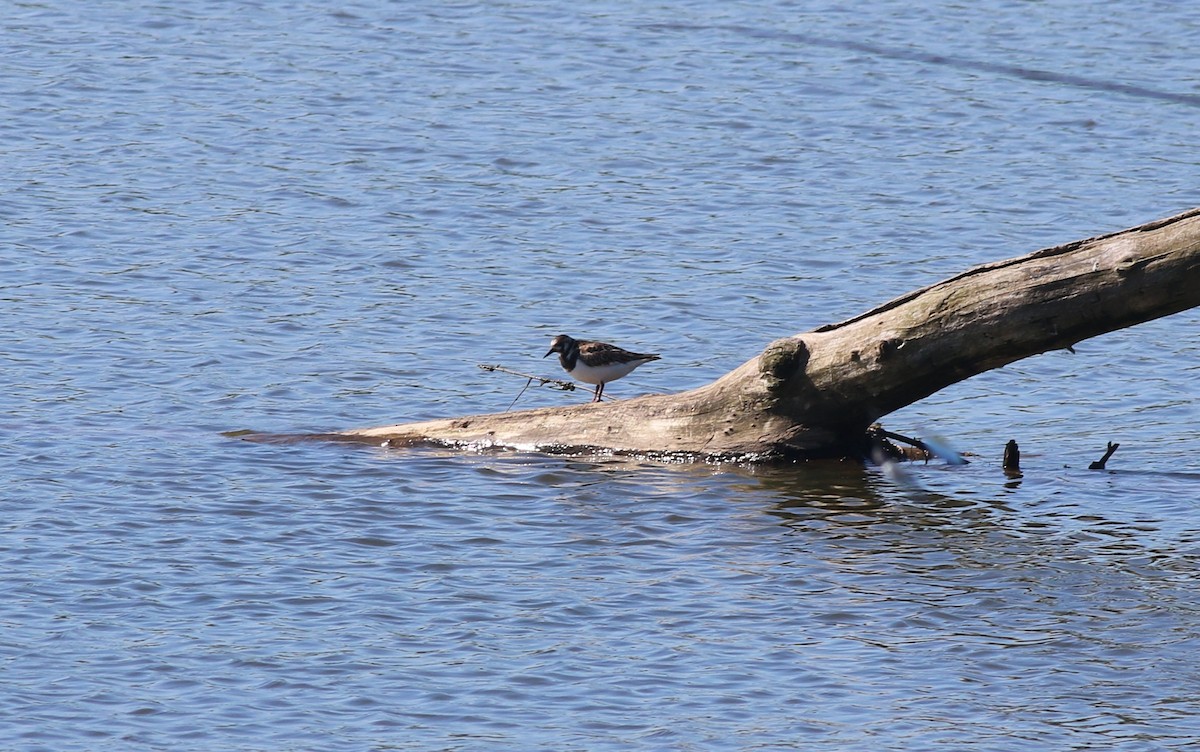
(815,393)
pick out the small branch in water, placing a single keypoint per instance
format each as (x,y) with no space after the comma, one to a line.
(917,449)
(1012,458)
(882,439)
(1099,464)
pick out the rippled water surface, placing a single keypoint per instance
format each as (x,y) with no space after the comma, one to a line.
(308,217)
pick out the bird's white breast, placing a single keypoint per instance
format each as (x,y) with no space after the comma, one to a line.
(602,374)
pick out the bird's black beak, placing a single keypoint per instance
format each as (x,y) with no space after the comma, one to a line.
(547,355)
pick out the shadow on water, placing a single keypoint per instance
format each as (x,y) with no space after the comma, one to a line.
(827,493)
(856,496)
(951,61)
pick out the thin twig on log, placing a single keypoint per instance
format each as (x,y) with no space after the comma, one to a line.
(566,386)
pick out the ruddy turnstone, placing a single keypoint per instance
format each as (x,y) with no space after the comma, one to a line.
(595,362)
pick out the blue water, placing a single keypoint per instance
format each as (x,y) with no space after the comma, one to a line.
(301,217)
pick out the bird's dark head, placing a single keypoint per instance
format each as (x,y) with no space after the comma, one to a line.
(559,345)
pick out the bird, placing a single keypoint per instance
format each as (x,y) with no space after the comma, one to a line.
(596,362)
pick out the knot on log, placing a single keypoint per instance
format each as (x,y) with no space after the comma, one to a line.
(781,360)
(888,347)
(1132,264)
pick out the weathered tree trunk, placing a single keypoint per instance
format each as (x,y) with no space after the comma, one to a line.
(814,394)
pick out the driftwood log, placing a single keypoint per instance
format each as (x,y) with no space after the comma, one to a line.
(815,394)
